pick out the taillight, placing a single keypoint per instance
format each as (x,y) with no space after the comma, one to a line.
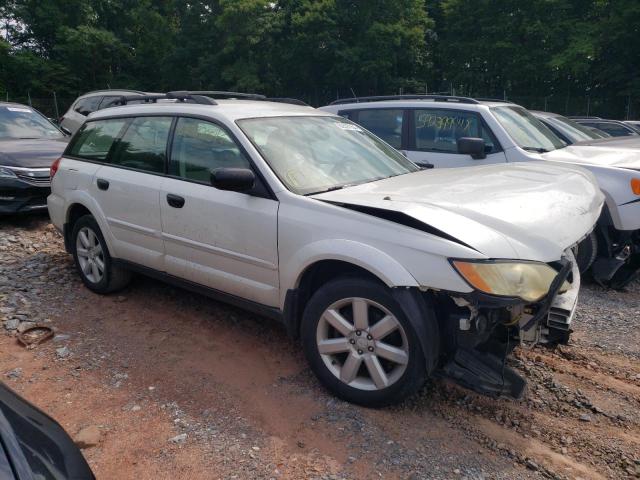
(54,168)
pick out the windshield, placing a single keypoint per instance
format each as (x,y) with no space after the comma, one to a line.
(527,131)
(17,122)
(316,154)
(573,130)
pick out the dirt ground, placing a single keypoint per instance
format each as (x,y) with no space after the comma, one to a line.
(181,386)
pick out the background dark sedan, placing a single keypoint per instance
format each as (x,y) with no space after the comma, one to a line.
(29,143)
(33,446)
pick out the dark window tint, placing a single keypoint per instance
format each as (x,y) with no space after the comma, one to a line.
(385,123)
(439,130)
(143,146)
(95,139)
(87,105)
(613,129)
(199,147)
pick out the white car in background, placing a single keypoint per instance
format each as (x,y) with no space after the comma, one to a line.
(388,273)
(444,131)
(91,102)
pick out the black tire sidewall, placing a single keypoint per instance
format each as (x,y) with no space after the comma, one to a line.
(90,222)
(413,377)
(587,251)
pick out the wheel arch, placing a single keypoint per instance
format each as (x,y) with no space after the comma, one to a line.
(78,206)
(339,258)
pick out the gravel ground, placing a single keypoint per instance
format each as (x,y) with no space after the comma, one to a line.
(157,382)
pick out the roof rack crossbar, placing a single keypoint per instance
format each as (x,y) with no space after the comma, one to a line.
(439,98)
(180,96)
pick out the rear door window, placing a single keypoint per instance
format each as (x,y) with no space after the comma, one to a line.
(87,105)
(438,130)
(144,145)
(385,123)
(95,139)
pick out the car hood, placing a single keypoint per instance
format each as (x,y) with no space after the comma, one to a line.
(632,141)
(599,154)
(520,211)
(34,153)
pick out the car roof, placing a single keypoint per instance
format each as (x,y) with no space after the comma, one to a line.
(230,109)
(13,104)
(409,103)
(117,91)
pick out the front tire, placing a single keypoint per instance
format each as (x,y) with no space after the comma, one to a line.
(92,258)
(586,253)
(360,344)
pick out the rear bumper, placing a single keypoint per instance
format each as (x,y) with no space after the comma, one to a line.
(17,196)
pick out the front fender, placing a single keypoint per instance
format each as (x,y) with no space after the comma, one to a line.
(380,264)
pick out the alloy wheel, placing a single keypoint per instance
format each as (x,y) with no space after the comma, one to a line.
(90,255)
(362,343)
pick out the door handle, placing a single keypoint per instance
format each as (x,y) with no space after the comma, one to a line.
(102,184)
(425,166)
(176,201)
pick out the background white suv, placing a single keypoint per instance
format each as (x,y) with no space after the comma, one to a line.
(92,102)
(388,273)
(444,131)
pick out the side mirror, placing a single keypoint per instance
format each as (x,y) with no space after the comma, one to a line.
(472,146)
(233,179)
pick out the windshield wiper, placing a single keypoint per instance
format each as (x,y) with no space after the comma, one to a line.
(535,149)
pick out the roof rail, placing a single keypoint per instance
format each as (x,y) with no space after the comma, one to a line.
(203,97)
(180,96)
(435,98)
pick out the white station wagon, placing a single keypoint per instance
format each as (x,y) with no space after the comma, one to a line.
(389,274)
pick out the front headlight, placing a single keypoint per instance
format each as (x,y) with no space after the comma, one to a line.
(528,281)
(7,173)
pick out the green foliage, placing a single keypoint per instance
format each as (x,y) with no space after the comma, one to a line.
(317,49)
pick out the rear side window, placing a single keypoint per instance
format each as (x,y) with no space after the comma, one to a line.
(439,130)
(199,147)
(87,105)
(95,139)
(384,123)
(144,144)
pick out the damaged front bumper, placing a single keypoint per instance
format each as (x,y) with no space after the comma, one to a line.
(480,331)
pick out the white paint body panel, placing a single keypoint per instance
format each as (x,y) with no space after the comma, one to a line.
(258,249)
(613,167)
(223,240)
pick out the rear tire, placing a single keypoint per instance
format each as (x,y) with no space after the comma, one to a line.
(360,344)
(586,253)
(92,258)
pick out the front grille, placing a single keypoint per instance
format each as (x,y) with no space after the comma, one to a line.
(38,177)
